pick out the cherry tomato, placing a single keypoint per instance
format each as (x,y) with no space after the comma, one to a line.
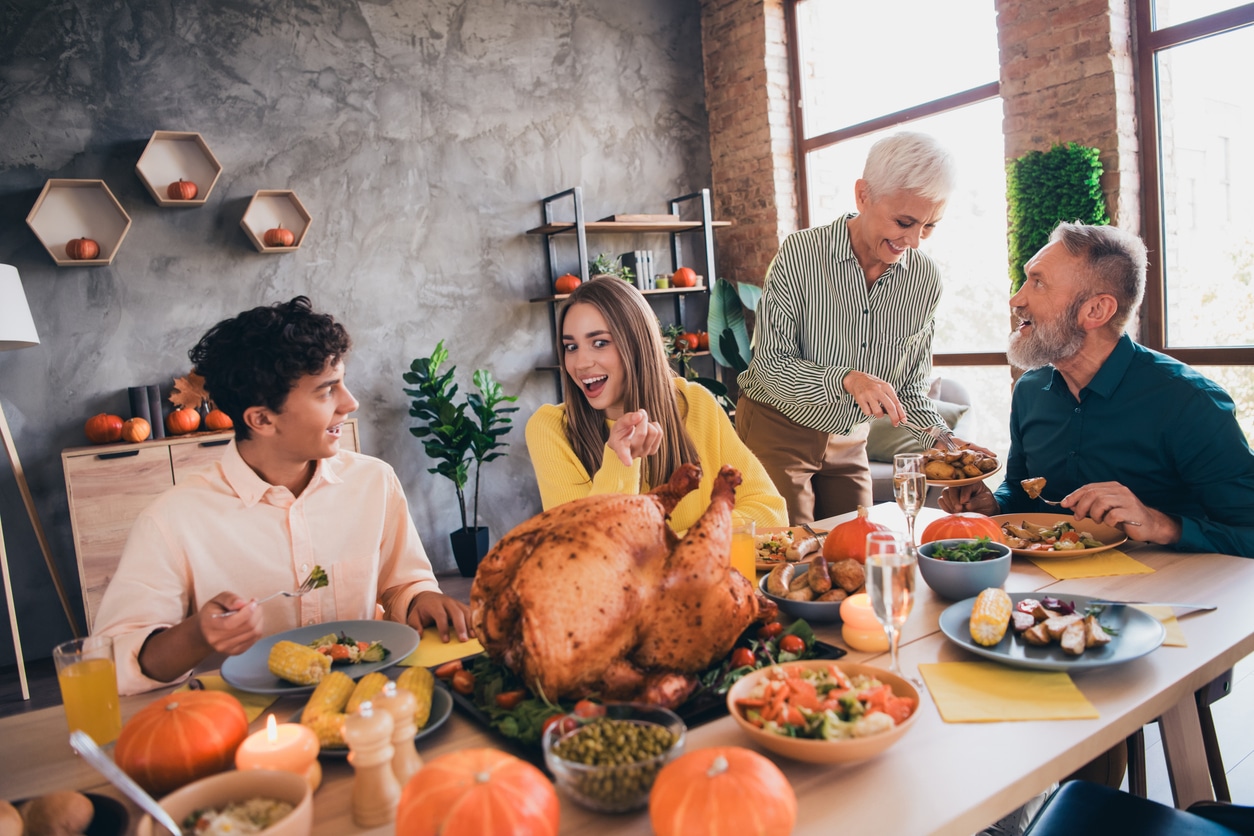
(770,631)
(509,700)
(587,709)
(338,652)
(464,683)
(1069,537)
(565,723)
(792,644)
(742,657)
(447,670)
(362,647)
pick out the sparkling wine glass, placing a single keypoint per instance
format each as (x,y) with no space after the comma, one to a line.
(890,579)
(910,489)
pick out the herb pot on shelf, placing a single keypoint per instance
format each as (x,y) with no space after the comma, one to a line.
(469,547)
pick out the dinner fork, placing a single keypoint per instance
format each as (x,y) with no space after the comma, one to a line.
(944,436)
(317,578)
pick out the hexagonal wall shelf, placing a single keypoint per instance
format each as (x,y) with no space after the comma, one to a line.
(70,209)
(172,156)
(273,208)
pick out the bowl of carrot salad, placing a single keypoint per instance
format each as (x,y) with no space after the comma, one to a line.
(823,712)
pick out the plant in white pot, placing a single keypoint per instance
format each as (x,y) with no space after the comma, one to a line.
(455,438)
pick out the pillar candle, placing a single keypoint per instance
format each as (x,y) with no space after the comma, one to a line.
(289,747)
(861,630)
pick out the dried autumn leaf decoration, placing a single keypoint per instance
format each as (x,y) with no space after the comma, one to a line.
(189,392)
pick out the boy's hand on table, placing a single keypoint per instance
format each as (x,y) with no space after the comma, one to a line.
(235,633)
(436,608)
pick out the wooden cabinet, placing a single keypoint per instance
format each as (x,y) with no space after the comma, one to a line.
(108,485)
(578,229)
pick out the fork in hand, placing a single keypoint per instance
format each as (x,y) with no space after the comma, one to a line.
(317,578)
(945,437)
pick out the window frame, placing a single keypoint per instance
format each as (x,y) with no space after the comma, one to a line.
(804,144)
(1149,42)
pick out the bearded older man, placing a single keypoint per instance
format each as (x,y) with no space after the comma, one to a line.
(1124,435)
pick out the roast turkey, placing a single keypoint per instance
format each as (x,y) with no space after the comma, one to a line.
(600,596)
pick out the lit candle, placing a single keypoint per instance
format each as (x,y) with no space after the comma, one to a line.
(289,747)
(861,630)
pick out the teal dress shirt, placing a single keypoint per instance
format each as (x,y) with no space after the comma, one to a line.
(1149,422)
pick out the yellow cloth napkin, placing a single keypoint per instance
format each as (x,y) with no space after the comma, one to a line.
(1100,565)
(254,704)
(987,692)
(432,650)
(1175,636)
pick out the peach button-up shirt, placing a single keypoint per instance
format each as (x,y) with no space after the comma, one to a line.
(225,529)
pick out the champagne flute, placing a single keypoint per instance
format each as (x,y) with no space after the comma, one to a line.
(890,580)
(910,489)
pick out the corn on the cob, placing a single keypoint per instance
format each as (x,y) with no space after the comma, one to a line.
(367,688)
(990,616)
(298,663)
(330,729)
(329,697)
(419,681)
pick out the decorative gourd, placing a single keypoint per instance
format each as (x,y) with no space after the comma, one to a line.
(684,277)
(726,789)
(181,737)
(848,540)
(103,428)
(279,237)
(567,283)
(136,430)
(82,249)
(218,420)
(182,190)
(481,791)
(964,526)
(182,421)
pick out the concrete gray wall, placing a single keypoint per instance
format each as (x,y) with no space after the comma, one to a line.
(420,134)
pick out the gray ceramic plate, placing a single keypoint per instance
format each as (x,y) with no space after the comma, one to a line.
(250,671)
(441,708)
(816,612)
(1139,634)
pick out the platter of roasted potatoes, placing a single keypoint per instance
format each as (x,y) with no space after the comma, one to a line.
(952,469)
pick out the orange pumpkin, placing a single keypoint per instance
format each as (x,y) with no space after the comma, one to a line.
(182,421)
(182,190)
(218,420)
(567,283)
(684,277)
(180,738)
(703,340)
(279,237)
(482,791)
(848,540)
(103,428)
(964,526)
(82,249)
(726,789)
(136,430)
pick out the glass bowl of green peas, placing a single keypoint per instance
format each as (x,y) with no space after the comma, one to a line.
(607,761)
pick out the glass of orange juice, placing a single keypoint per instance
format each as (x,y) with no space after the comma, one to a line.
(89,687)
(744,550)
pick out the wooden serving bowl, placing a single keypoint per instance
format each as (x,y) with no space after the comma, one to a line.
(825,751)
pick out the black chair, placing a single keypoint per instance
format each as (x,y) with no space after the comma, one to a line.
(1081,808)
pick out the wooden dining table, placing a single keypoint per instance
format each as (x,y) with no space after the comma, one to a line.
(944,778)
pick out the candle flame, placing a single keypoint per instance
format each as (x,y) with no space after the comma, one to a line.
(272,729)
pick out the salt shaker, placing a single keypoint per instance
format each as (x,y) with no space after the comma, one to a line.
(401,704)
(376,791)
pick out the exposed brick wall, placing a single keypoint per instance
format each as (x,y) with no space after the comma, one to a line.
(1066,76)
(751,143)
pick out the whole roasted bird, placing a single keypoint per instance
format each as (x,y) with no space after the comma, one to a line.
(600,596)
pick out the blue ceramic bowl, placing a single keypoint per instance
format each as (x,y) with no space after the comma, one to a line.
(959,581)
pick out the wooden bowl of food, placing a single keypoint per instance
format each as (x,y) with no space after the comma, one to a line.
(819,735)
(283,796)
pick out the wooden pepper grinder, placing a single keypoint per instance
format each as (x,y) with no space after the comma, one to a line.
(401,704)
(376,791)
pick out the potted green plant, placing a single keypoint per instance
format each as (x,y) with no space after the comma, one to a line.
(458,434)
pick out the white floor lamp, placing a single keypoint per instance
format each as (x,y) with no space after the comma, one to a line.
(17,330)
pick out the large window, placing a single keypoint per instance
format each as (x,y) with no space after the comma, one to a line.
(865,70)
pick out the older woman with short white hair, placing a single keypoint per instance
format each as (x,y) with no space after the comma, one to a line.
(844,332)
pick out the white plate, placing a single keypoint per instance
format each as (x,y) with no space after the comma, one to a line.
(1139,634)
(250,671)
(441,708)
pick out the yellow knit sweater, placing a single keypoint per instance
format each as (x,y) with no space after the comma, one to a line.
(562,477)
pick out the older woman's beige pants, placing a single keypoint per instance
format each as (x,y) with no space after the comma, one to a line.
(819,474)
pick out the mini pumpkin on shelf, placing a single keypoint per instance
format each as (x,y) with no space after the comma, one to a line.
(82,249)
(103,428)
(136,430)
(182,190)
(217,420)
(279,237)
(182,421)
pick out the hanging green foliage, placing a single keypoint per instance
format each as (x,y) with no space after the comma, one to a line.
(1045,187)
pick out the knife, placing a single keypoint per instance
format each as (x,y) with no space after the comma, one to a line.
(1100,602)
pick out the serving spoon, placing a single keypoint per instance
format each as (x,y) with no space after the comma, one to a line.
(82,743)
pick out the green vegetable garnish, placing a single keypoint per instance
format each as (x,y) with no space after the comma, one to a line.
(319,576)
(973,552)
